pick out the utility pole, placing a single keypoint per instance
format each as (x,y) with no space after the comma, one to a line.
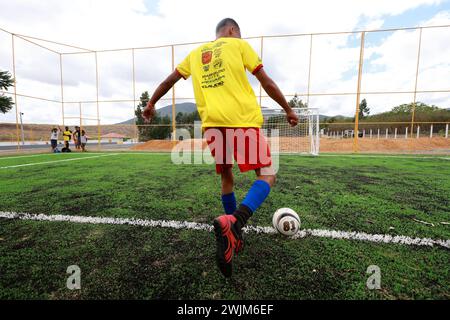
(21,128)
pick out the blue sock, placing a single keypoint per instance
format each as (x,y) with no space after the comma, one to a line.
(229,203)
(256,195)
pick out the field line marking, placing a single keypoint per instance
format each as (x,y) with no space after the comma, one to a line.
(50,154)
(48,162)
(31,155)
(320,233)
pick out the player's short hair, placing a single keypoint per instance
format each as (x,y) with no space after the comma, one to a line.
(225,22)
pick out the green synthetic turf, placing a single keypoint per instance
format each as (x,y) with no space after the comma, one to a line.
(375,195)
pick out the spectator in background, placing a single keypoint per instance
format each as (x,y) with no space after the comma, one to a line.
(83,140)
(67,136)
(54,138)
(77,138)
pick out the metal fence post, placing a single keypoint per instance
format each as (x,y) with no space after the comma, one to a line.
(358,92)
(174,125)
(134,97)
(15,92)
(261,57)
(98,108)
(62,87)
(415,84)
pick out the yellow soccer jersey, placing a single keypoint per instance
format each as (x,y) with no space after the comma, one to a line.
(222,91)
(67,134)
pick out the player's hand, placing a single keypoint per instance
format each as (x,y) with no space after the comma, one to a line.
(149,112)
(292,118)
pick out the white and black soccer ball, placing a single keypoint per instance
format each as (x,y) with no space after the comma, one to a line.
(286,221)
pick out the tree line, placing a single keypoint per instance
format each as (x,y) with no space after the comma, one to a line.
(6,81)
(398,117)
(161,126)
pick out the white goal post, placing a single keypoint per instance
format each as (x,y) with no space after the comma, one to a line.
(301,139)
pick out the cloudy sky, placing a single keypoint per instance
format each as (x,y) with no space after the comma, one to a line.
(389,64)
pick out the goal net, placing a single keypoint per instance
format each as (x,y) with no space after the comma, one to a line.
(303,138)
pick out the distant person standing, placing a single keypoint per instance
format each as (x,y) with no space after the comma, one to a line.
(54,138)
(77,138)
(83,140)
(67,136)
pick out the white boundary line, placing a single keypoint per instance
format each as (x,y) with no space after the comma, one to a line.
(55,161)
(321,233)
(52,155)
(32,155)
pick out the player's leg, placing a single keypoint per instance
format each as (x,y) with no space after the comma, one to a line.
(228,228)
(217,144)
(256,195)
(226,237)
(258,159)
(232,225)
(228,197)
(266,174)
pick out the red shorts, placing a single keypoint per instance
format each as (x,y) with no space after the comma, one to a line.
(246,146)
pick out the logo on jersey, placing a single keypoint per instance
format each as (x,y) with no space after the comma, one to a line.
(206,57)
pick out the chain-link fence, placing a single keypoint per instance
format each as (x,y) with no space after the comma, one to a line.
(369,71)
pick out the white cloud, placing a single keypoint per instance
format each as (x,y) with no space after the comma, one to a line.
(115,24)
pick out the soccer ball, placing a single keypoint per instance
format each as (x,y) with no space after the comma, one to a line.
(286,221)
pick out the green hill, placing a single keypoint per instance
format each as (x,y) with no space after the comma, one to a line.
(185,107)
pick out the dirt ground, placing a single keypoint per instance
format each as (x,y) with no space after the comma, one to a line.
(166,145)
(438,145)
(435,145)
(401,145)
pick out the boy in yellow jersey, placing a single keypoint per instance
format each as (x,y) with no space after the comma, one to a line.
(231,120)
(67,135)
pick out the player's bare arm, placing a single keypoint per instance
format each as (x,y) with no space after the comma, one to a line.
(162,89)
(275,93)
